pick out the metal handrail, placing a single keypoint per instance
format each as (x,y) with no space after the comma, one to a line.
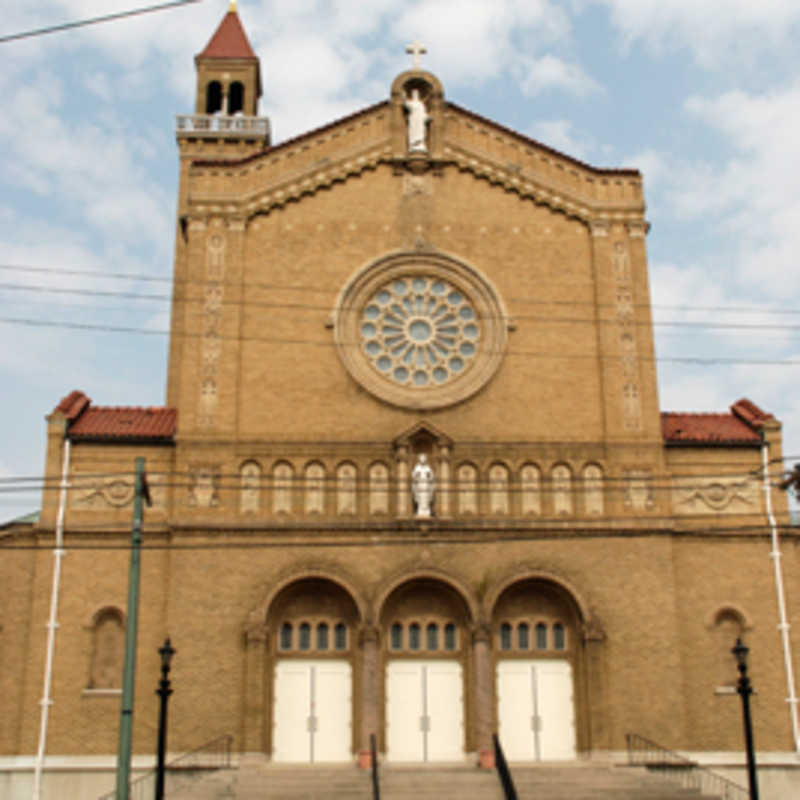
(376,787)
(689,774)
(212,755)
(503,772)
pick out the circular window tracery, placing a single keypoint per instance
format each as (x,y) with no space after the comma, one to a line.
(420,330)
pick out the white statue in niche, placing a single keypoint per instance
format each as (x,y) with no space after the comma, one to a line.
(422,486)
(417,121)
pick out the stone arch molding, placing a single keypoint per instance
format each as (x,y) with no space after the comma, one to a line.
(457,584)
(420,330)
(257,618)
(590,623)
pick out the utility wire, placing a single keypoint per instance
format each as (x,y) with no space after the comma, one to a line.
(250,303)
(697,360)
(94,20)
(269,286)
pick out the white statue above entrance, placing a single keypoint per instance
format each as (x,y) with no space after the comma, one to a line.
(417,122)
(423,484)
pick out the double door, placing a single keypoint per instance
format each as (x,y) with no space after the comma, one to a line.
(312,711)
(536,710)
(424,711)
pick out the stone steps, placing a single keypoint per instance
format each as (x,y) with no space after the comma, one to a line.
(572,782)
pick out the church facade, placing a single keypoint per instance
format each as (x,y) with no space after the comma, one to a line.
(411,478)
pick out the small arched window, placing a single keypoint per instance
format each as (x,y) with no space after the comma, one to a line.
(322,636)
(340,636)
(396,640)
(304,637)
(213,97)
(505,636)
(432,634)
(235,97)
(108,647)
(559,637)
(450,642)
(523,636)
(541,636)
(414,642)
(286,636)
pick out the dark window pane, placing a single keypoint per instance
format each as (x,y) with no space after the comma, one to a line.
(505,636)
(397,636)
(322,636)
(559,637)
(450,637)
(235,97)
(286,636)
(523,636)
(413,636)
(541,636)
(213,97)
(433,636)
(305,636)
(340,636)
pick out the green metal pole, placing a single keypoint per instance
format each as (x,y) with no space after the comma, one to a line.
(129,670)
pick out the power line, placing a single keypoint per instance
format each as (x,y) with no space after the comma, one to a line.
(94,20)
(270,286)
(696,360)
(250,303)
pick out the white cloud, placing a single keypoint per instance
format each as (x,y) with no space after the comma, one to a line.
(549,72)
(716,31)
(558,134)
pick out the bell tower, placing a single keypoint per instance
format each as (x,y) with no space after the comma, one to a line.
(228,73)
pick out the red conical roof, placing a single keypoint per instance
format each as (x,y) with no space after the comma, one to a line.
(229,41)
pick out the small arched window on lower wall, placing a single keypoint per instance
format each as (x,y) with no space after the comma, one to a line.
(727,625)
(108,649)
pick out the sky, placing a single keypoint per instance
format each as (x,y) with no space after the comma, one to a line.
(703,98)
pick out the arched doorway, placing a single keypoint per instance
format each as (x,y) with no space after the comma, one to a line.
(425,624)
(537,645)
(312,624)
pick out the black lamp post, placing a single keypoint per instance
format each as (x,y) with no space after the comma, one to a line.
(745,689)
(166,651)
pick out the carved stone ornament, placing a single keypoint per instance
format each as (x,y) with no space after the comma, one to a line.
(95,494)
(204,490)
(420,330)
(639,490)
(699,496)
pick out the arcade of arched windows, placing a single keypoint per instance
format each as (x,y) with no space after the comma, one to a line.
(423,636)
(313,636)
(224,98)
(497,489)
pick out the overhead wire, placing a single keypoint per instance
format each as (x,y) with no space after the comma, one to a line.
(65,26)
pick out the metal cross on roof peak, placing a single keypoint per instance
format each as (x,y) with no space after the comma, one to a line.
(416,49)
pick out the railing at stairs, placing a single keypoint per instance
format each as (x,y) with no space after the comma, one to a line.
(679,769)
(503,772)
(373,751)
(213,755)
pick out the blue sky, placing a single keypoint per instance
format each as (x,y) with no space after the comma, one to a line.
(704,98)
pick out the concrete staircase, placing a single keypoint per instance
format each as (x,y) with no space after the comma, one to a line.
(544,782)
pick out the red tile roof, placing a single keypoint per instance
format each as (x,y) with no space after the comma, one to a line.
(229,41)
(126,423)
(73,404)
(741,426)
(123,423)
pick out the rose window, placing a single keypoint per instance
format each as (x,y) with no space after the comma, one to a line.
(419,331)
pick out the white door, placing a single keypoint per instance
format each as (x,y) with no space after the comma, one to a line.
(312,711)
(536,710)
(424,711)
